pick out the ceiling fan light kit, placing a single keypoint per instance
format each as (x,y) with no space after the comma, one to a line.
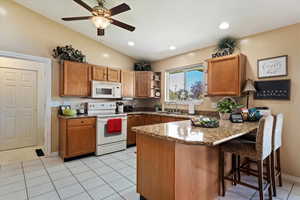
(102,16)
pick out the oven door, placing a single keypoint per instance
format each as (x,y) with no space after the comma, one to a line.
(105,138)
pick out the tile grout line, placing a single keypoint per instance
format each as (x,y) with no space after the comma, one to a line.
(122,168)
(26,189)
(105,180)
(78,182)
(52,182)
(290,191)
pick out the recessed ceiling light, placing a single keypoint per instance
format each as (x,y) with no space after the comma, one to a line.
(105,55)
(172,47)
(130,43)
(224,25)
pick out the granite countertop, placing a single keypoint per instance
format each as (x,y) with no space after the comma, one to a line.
(76,116)
(136,113)
(184,132)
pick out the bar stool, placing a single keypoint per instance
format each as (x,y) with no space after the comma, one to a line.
(275,156)
(259,151)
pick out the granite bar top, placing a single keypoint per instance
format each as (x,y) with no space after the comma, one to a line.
(184,132)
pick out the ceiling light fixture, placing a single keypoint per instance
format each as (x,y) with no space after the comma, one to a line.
(224,26)
(101,22)
(172,47)
(130,43)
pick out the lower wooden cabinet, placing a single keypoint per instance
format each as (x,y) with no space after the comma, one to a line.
(133,120)
(77,137)
(145,119)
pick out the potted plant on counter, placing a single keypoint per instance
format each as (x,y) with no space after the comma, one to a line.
(226,106)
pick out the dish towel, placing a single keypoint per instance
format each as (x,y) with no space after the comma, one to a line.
(114,126)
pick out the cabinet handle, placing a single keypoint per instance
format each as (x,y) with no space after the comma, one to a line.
(82,122)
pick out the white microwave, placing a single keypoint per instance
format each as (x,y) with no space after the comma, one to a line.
(106,90)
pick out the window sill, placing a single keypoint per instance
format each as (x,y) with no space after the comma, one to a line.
(195,102)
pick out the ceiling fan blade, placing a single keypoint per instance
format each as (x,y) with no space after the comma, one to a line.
(80,2)
(100,32)
(119,9)
(76,18)
(123,25)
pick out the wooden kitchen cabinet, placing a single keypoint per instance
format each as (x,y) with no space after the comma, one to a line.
(77,137)
(143,84)
(226,75)
(74,79)
(99,73)
(152,119)
(128,83)
(113,75)
(133,120)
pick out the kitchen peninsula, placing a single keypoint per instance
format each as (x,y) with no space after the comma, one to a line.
(177,161)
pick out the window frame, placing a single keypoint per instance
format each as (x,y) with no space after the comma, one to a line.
(184,69)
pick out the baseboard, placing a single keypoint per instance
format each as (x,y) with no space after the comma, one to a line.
(294,179)
(53,154)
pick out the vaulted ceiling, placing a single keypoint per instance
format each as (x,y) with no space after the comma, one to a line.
(187,25)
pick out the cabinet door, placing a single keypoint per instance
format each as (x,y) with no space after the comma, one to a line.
(152,119)
(166,119)
(224,76)
(75,79)
(113,75)
(99,73)
(143,84)
(128,83)
(81,140)
(133,120)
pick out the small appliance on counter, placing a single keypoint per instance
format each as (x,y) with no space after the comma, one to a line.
(120,107)
(128,108)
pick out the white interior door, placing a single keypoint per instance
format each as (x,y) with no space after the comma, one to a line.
(18,108)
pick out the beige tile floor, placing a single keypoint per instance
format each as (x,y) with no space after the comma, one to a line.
(109,177)
(18,155)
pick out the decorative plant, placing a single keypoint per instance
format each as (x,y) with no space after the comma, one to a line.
(227,106)
(142,66)
(226,46)
(157,107)
(68,53)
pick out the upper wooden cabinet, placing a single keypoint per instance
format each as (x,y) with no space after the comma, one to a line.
(128,83)
(113,75)
(105,74)
(143,84)
(74,79)
(99,73)
(226,75)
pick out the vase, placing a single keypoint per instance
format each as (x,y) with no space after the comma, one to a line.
(224,116)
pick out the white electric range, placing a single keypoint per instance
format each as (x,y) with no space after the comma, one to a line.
(108,143)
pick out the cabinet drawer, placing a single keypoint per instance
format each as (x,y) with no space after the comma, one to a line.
(81,122)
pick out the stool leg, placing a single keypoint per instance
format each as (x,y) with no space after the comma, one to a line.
(279,167)
(269,179)
(238,168)
(260,177)
(234,169)
(222,168)
(273,172)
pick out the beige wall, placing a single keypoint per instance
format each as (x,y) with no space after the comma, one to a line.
(284,41)
(24,31)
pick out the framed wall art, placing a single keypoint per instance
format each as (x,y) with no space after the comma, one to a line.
(272,67)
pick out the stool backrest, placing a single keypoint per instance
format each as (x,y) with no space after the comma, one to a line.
(277,131)
(264,137)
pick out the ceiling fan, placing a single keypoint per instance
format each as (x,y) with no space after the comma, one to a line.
(102,16)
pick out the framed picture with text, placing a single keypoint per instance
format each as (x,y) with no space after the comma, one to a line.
(272,67)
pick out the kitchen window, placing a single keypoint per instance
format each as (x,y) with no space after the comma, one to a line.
(185,84)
